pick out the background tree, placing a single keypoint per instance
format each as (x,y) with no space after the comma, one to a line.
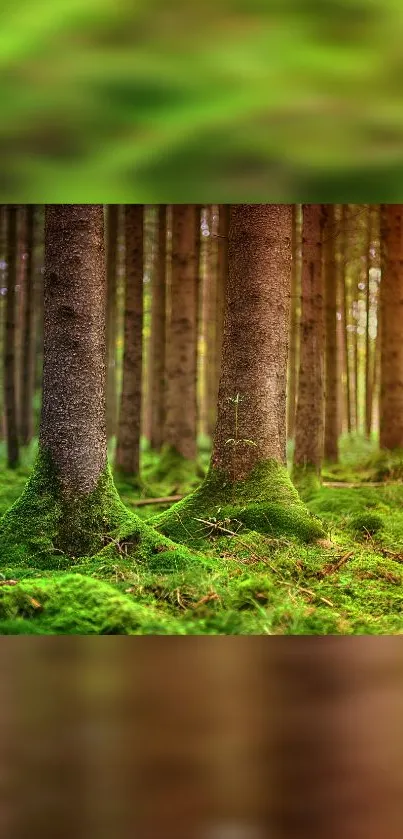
(128,441)
(10,359)
(158,334)
(310,401)
(112,228)
(332,373)
(391,312)
(27,360)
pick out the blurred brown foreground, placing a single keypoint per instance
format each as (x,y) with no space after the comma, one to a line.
(199,739)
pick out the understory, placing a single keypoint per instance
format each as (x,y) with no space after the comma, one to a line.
(229,579)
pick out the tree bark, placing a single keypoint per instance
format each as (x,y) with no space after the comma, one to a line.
(293,345)
(128,444)
(391,300)
(10,361)
(180,430)
(112,226)
(222,280)
(27,371)
(345,305)
(309,415)
(158,335)
(332,419)
(247,480)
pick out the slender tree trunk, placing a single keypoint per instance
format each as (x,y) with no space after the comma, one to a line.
(158,335)
(112,227)
(128,443)
(180,432)
(310,404)
(368,375)
(332,419)
(293,347)
(248,479)
(27,371)
(209,297)
(10,370)
(391,403)
(345,309)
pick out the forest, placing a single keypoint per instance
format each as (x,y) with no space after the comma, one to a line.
(201,419)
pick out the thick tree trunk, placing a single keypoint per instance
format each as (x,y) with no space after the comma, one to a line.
(310,404)
(294,343)
(27,369)
(332,419)
(247,480)
(10,361)
(128,444)
(180,430)
(69,504)
(158,335)
(222,279)
(391,401)
(112,226)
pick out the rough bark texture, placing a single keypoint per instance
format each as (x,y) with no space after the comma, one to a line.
(310,404)
(294,342)
(10,371)
(27,372)
(73,408)
(180,431)
(255,343)
(158,334)
(391,397)
(222,279)
(332,419)
(112,226)
(247,480)
(128,444)
(208,366)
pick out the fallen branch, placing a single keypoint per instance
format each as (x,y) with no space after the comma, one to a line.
(308,591)
(333,567)
(167,499)
(346,485)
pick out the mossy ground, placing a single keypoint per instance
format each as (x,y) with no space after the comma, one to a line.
(251,583)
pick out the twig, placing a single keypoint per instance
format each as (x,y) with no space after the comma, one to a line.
(332,568)
(167,499)
(308,591)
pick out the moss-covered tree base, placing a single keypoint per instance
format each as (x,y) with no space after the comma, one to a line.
(266,502)
(48,530)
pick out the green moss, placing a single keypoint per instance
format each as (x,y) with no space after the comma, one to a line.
(307,480)
(266,502)
(172,472)
(366,523)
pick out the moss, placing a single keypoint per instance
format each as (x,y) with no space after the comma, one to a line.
(366,523)
(307,480)
(266,502)
(174,471)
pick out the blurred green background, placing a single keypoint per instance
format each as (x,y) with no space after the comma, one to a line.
(243,100)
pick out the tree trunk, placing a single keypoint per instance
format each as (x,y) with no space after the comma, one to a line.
(128,443)
(248,480)
(368,376)
(180,430)
(208,366)
(222,279)
(112,226)
(158,335)
(293,347)
(69,504)
(391,402)
(332,419)
(10,371)
(345,304)
(310,404)
(27,371)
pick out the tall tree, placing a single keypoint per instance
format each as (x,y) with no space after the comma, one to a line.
(294,343)
(158,334)
(70,504)
(345,309)
(247,479)
(128,442)
(180,428)
(391,305)
(332,412)
(112,228)
(27,361)
(222,279)
(10,361)
(310,403)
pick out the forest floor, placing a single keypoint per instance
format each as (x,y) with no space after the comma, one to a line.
(236,582)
